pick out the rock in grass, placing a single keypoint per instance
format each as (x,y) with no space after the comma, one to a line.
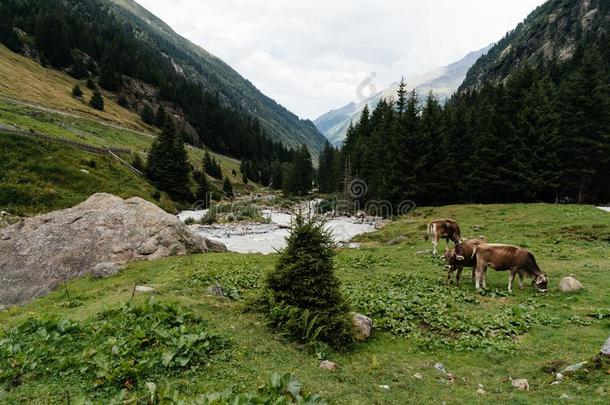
(39,254)
(363,325)
(216,290)
(143,289)
(573,368)
(329,365)
(521,384)
(606,348)
(105,269)
(569,284)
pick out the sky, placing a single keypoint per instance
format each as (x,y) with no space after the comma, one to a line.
(312,56)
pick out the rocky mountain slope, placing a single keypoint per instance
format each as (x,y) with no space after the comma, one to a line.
(240,93)
(145,63)
(442,82)
(551,33)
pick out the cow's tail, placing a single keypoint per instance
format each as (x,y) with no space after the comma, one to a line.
(428,231)
(474,252)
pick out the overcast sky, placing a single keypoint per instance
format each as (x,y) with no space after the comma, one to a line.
(312,55)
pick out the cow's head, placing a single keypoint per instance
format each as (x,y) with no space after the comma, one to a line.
(541,282)
(453,258)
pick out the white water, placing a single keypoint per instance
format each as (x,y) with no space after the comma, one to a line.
(607,209)
(268,238)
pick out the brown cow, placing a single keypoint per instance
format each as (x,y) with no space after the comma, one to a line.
(516,260)
(459,257)
(446,229)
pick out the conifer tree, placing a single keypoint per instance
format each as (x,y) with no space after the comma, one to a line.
(97,101)
(147,115)
(160,117)
(303,295)
(227,188)
(167,165)
(77,92)
(204,191)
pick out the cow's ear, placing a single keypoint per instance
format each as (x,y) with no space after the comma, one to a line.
(459,257)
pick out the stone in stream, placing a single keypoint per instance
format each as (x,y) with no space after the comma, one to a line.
(39,254)
(569,284)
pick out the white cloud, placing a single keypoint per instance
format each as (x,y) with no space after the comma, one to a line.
(310,56)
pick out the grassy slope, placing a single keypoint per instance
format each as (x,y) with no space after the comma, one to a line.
(40,176)
(23,79)
(562,237)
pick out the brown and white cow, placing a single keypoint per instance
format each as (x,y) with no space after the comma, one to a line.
(461,256)
(446,229)
(516,260)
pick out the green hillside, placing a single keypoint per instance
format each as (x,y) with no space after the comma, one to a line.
(479,339)
(38,176)
(38,100)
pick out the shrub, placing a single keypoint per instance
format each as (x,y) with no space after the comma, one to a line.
(303,296)
(77,92)
(97,101)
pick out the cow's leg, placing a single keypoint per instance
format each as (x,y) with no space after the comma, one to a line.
(485,278)
(449,272)
(478,276)
(458,275)
(434,245)
(511,279)
(473,271)
(520,281)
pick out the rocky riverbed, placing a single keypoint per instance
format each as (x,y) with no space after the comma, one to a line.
(268,237)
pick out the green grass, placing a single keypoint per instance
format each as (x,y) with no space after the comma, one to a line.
(37,176)
(543,332)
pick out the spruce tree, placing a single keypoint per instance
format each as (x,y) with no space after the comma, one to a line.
(147,115)
(303,295)
(299,175)
(326,173)
(160,117)
(77,92)
(227,188)
(204,191)
(168,166)
(97,101)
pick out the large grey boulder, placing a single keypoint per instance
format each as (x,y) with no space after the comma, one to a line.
(38,254)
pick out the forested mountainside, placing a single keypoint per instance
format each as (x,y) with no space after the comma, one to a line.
(442,82)
(543,134)
(550,35)
(132,53)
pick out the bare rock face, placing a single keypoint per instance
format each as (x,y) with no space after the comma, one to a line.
(38,254)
